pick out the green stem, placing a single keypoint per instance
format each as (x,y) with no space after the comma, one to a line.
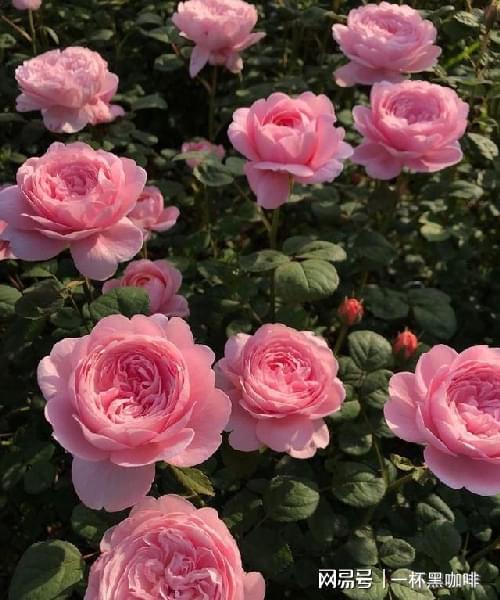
(340,338)
(33,31)
(211,105)
(88,290)
(395,485)
(273,242)
(494,545)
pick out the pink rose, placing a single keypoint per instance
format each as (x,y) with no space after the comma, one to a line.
(27,4)
(5,249)
(202,146)
(451,405)
(150,213)
(288,139)
(129,394)
(167,548)
(384,41)
(72,88)
(282,382)
(160,280)
(221,29)
(412,124)
(78,198)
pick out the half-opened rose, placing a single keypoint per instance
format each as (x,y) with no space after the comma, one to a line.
(72,88)
(282,382)
(413,124)
(160,279)
(129,394)
(150,213)
(202,145)
(78,198)
(220,29)
(288,140)
(168,549)
(451,405)
(383,42)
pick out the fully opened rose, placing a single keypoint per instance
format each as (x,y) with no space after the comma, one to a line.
(129,394)
(281,382)
(160,279)
(413,124)
(167,549)
(78,198)
(383,42)
(220,29)
(150,213)
(451,405)
(72,88)
(288,140)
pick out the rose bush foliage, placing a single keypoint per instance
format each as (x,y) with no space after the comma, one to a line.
(368,278)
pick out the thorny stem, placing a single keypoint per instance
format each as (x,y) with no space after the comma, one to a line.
(340,338)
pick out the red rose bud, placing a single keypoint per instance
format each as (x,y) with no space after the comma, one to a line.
(405,344)
(351,311)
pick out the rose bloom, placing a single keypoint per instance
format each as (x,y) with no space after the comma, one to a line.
(72,88)
(160,280)
(282,382)
(451,405)
(5,249)
(413,124)
(288,139)
(384,41)
(202,145)
(27,4)
(167,548)
(76,197)
(150,213)
(129,394)
(221,29)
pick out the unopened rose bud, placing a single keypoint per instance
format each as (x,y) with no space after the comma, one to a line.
(405,344)
(351,311)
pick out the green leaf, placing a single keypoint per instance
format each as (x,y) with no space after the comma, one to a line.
(290,499)
(306,281)
(41,299)
(264,550)
(303,247)
(46,571)
(355,439)
(374,389)
(39,477)
(127,301)
(325,525)
(168,62)
(433,313)
(362,548)
(88,524)
(265,260)
(373,248)
(194,480)
(357,485)
(385,303)
(8,298)
(441,541)
(242,511)
(405,590)
(484,145)
(149,101)
(369,350)
(397,553)
(212,173)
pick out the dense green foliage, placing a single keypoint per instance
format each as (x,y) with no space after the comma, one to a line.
(422,253)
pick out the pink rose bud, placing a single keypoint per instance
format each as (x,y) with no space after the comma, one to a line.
(351,311)
(160,280)
(202,146)
(150,213)
(27,4)
(282,382)
(405,344)
(288,140)
(221,30)
(451,405)
(413,124)
(72,88)
(168,548)
(129,394)
(78,198)
(383,42)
